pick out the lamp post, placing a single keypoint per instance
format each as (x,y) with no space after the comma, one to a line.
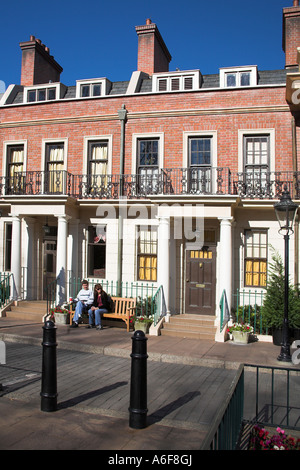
(286,211)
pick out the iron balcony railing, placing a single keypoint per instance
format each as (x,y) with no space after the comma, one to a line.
(194,181)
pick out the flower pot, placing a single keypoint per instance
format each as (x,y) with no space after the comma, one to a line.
(62,318)
(141,326)
(241,337)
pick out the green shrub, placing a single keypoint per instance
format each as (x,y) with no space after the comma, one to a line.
(273,305)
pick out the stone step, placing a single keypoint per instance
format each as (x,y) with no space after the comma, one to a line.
(192,320)
(188,334)
(27,310)
(190,326)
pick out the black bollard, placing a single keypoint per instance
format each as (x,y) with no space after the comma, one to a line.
(49,376)
(138,387)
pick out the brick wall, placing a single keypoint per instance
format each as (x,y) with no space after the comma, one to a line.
(172,114)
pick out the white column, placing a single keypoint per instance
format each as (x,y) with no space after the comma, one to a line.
(73,250)
(225,258)
(29,260)
(163,257)
(16,256)
(61,258)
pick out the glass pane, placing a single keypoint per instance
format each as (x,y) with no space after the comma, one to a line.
(97,89)
(41,95)
(85,90)
(245,78)
(200,151)
(148,152)
(230,79)
(31,96)
(51,94)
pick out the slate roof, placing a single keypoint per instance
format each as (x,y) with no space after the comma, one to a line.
(265,77)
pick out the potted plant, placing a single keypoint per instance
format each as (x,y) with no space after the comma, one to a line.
(273,306)
(143,323)
(261,439)
(240,332)
(59,315)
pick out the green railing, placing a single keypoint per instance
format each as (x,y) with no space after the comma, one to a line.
(225,429)
(276,396)
(127,289)
(224,310)
(247,308)
(51,294)
(5,288)
(159,305)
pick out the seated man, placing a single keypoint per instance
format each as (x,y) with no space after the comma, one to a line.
(84,299)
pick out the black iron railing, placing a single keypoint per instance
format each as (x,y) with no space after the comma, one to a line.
(193,181)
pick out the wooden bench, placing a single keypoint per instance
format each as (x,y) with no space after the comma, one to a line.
(124,309)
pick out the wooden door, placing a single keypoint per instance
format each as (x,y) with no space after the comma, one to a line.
(200,281)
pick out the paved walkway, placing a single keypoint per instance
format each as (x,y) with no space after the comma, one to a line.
(186,383)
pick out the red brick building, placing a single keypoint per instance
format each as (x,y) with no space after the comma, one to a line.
(168,179)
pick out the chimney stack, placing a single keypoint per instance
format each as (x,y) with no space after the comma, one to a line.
(38,66)
(153,55)
(291,34)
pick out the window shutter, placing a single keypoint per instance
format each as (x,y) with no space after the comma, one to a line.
(162,85)
(188,83)
(175,84)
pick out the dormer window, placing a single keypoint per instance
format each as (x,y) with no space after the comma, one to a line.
(92,88)
(176,81)
(35,93)
(234,77)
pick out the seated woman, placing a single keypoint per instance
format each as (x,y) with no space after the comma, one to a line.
(99,306)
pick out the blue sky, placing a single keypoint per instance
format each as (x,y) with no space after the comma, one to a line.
(96,38)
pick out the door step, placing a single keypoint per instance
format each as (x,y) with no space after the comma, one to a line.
(190,326)
(28,310)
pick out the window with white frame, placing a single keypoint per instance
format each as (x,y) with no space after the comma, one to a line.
(148,164)
(200,161)
(54,167)
(147,254)
(255,260)
(256,153)
(176,81)
(92,88)
(97,162)
(41,93)
(15,167)
(256,162)
(238,77)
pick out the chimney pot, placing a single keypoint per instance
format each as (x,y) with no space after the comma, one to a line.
(148,21)
(32,38)
(296,3)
